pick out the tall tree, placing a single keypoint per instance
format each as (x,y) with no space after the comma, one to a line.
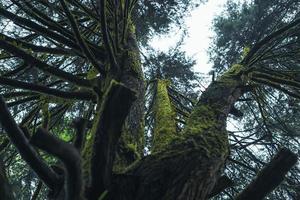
(78,63)
(266,115)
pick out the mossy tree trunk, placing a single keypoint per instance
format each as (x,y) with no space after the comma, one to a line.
(188,166)
(182,166)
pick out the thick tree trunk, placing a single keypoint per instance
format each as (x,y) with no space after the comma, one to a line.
(131,143)
(189,166)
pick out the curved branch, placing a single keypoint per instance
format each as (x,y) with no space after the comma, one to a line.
(269,177)
(27,152)
(69,156)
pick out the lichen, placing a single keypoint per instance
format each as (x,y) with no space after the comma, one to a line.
(132,62)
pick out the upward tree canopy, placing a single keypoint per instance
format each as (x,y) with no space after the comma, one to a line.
(73,97)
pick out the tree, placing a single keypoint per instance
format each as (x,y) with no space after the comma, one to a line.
(267,115)
(78,62)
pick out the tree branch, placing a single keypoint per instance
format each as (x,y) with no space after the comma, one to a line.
(26,151)
(269,177)
(222,183)
(47,91)
(267,39)
(104,30)
(37,28)
(68,155)
(41,65)
(85,49)
(115,107)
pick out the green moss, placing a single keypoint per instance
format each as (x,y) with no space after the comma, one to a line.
(132,150)
(131,27)
(87,152)
(246,50)
(233,76)
(202,118)
(205,133)
(132,62)
(233,70)
(92,73)
(165,125)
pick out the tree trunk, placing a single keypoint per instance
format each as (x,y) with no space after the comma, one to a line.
(189,166)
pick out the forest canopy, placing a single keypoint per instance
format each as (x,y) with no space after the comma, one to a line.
(89,111)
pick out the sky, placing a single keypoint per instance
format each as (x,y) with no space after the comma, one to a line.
(199,34)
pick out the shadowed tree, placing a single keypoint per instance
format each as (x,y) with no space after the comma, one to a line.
(77,63)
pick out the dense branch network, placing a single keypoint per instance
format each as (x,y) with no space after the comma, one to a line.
(83,59)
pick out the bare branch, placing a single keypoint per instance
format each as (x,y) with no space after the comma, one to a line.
(85,49)
(47,91)
(269,177)
(27,152)
(68,155)
(41,65)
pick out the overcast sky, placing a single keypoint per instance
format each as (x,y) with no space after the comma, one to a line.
(200,33)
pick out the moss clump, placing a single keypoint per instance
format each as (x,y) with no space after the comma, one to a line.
(165,125)
(233,70)
(246,50)
(134,62)
(92,73)
(129,150)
